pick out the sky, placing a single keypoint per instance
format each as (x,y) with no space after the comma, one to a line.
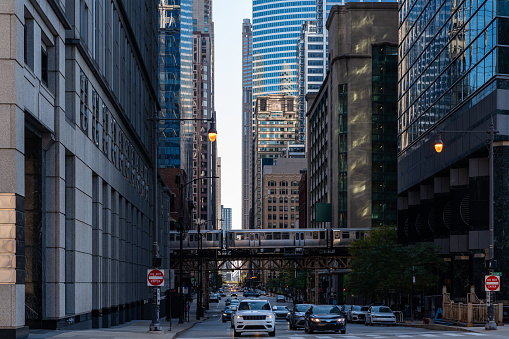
(228,16)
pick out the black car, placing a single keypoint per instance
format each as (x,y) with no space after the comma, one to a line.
(297,316)
(281,312)
(324,318)
(227,313)
(248,294)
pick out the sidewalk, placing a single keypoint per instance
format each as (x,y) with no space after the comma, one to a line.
(501,330)
(136,329)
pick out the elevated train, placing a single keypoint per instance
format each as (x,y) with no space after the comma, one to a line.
(267,239)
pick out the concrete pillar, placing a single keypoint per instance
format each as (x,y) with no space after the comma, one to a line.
(470,315)
(12,172)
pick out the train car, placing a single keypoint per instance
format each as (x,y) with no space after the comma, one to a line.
(273,239)
(210,240)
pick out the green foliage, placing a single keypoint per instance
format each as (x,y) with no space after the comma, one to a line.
(380,265)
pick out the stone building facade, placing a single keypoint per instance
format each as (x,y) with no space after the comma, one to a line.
(351,124)
(78,86)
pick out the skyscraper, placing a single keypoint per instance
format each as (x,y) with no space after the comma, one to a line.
(204,191)
(175,83)
(275,130)
(453,66)
(276,29)
(247,123)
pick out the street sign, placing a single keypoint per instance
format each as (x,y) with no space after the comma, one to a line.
(155,277)
(498,274)
(491,283)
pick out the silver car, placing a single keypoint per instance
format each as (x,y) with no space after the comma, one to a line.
(357,314)
(380,315)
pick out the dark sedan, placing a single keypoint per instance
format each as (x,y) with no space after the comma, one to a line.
(297,316)
(227,313)
(324,318)
(281,312)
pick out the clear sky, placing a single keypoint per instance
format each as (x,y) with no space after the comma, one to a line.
(228,16)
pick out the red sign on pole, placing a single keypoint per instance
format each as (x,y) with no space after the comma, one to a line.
(155,278)
(491,283)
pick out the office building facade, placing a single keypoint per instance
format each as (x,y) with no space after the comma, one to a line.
(453,66)
(203,190)
(276,29)
(226,218)
(247,124)
(176,84)
(78,86)
(275,122)
(351,134)
(280,193)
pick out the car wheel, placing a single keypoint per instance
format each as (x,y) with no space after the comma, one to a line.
(343,331)
(231,325)
(236,334)
(224,320)
(273,333)
(306,329)
(310,330)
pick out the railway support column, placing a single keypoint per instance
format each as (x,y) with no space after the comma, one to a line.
(206,287)
(317,287)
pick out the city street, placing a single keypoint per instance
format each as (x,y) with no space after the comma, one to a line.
(214,328)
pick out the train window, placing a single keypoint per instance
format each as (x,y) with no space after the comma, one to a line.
(337,235)
(315,234)
(277,236)
(209,236)
(286,235)
(297,236)
(268,236)
(172,237)
(216,236)
(346,235)
(239,236)
(322,235)
(231,236)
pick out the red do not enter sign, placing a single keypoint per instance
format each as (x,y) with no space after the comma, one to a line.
(155,278)
(492,283)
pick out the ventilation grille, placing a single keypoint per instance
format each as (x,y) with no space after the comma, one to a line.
(447,215)
(431,220)
(465,209)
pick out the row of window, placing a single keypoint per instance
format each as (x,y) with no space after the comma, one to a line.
(282,216)
(114,143)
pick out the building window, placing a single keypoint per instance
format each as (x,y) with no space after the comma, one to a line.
(84,21)
(44,65)
(84,102)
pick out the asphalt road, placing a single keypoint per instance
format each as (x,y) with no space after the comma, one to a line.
(214,328)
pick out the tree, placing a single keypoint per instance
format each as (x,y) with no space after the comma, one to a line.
(381,266)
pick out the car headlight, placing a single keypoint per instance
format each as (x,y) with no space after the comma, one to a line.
(341,320)
(270,316)
(238,316)
(316,320)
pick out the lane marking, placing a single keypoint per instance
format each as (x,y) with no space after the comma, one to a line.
(428,335)
(453,334)
(474,333)
(405,336)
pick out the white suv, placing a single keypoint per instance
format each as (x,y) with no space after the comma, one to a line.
(254,316)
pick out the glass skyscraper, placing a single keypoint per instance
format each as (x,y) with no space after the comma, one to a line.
(453,77)
(175,83)
(276,30)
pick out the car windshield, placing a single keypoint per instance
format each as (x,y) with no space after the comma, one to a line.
(364,308)
(254,305)
(326,310)
(227,308)
(280,308)
(235,302)
(302,308)
(383,310)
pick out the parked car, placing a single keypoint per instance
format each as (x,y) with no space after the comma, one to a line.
(281,312)
(254,315)
(357,313)
(280,298)
(380,315)
(227,313)
(324,318)
(297,316)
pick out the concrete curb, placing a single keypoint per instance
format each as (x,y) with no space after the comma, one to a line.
(182,331)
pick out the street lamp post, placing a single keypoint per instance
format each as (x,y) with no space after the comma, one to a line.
(491,325)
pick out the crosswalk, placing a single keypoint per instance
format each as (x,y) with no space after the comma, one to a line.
(383,336)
